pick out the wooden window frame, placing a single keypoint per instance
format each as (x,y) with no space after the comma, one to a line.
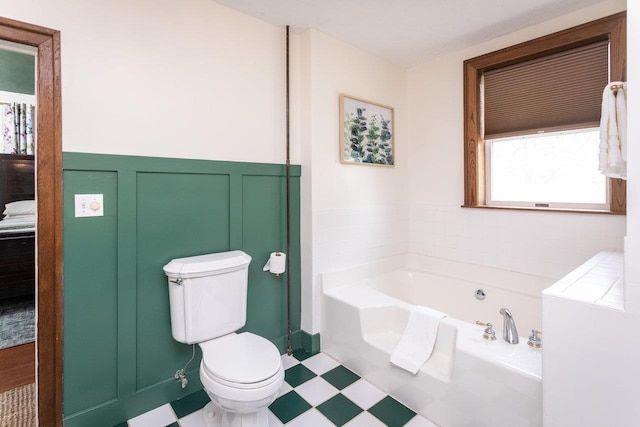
(612,28)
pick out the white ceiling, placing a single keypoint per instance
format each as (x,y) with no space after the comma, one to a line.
(408,31)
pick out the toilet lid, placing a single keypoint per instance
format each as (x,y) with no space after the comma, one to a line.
(241,358)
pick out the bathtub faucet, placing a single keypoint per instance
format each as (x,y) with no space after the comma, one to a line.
(510,333)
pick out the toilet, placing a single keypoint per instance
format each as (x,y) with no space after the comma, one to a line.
(242,373)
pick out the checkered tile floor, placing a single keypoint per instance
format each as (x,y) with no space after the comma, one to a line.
(318,392)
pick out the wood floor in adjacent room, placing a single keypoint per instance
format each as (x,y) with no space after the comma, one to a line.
(17,388)
(17,366)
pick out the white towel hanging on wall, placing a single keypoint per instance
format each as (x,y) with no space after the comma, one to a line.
(613,131)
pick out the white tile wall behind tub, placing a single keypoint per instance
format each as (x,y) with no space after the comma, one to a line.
(352,236)
(543,243)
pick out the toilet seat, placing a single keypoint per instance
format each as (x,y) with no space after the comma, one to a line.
(242,361)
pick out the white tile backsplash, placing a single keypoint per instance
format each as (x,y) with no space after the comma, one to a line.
(543,243)
(549,244)
(598,281)
(351,236)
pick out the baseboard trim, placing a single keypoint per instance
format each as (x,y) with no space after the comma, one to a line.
(310,343)
(121,409)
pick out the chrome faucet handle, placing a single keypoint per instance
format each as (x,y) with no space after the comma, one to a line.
(489,333)
(534,340)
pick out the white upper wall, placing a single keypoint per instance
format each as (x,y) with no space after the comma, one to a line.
(336,67)
(350,213)
(189,78)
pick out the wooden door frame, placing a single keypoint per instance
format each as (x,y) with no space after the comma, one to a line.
(49,202)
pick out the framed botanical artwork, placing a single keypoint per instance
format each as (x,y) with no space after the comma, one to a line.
(366,132)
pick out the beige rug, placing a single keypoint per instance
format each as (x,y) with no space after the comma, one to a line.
(17,407)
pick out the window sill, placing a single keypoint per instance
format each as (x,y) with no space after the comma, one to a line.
(532,209)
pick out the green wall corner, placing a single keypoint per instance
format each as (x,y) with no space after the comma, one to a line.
(17,72)
(310,343)
(119,355)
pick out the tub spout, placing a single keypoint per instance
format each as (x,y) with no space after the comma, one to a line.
(510,333)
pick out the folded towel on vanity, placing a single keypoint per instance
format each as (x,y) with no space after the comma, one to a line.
(613,131)
(416,345)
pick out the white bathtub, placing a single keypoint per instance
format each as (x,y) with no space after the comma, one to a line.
(467,381)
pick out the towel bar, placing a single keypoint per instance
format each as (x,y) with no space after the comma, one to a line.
(615,88)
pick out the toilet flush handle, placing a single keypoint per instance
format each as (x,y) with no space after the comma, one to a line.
(178,281)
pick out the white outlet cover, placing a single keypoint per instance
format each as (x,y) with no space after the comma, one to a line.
(89,205)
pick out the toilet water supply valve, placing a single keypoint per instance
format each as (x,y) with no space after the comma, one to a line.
(180,374)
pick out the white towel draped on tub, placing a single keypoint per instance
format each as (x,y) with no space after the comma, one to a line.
(613,131)
(416,345)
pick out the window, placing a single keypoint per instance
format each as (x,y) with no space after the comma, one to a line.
(550,170)
(531,117)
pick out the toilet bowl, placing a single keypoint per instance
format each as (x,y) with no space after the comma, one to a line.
(242,374)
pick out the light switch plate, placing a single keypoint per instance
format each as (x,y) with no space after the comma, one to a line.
(89,205)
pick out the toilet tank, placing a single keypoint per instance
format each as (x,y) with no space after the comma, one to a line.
(207,295)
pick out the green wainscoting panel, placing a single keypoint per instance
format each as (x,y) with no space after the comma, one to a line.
(119,355)
(178,215)
(262,213)
(18,72)
(90,292)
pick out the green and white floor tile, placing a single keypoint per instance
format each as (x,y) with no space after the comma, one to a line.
(318,392)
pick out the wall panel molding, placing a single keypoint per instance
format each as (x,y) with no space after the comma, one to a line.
(118,336)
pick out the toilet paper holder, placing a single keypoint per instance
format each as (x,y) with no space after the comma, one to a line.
(276,263)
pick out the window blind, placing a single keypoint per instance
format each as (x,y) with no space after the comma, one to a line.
(553,92)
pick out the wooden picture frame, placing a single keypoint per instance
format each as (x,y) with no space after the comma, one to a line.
(366,132)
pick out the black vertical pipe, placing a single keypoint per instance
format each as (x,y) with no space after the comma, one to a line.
(288,166)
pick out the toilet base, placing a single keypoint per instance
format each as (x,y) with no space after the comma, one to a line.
(215,417)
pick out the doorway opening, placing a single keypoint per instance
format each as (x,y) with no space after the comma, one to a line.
(48,228)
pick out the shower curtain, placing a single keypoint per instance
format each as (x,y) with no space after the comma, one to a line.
(17,128)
